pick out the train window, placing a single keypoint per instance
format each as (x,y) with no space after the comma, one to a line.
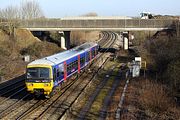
(72,65)
(76,64)
(32,73)
(93,53)
(88,56)
(58,72)
(38,73)
(67,68)
(83,59)
(44,72)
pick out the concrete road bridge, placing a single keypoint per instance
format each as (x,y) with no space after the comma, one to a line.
(97,23)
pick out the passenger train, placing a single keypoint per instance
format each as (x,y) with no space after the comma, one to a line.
(43,75)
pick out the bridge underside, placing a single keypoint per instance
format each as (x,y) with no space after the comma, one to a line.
(95,29)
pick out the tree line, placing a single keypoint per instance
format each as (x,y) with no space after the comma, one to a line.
(10,15)
(27,10)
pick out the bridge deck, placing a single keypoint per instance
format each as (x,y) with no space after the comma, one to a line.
(97,24)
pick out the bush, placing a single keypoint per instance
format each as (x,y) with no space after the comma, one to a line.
(34,50)
(154,97)
(4,51)
(6,48)
(1,73)
(41,49)
(173,73)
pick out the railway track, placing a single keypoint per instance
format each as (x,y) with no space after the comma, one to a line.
(92,98)
(107,100)
(58,107)
(67,113)
(103,113)
(88,112)
(25,104)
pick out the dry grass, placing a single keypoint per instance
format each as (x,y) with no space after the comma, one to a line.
(40,49)
(3,36)
(156,101)
(148,100)
(154,97)
(11,63)
(25,38)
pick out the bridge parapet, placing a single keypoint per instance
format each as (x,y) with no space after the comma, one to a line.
(97,24)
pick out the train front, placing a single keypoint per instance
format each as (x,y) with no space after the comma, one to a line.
(39,79)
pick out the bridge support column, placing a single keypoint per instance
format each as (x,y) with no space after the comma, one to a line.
(63,42)
(125,40)
(67,39)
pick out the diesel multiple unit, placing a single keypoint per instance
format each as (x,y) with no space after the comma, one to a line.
(43,75)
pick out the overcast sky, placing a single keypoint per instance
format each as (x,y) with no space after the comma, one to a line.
(63,8)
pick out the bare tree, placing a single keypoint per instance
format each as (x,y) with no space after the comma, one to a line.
(10,15)
(0,13)
(31,10)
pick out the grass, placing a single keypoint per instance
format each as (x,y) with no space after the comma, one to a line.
(89,91)
(97,105)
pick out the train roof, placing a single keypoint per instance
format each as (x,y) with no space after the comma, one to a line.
(62,56)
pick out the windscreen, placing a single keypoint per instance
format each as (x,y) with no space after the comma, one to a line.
(37,73)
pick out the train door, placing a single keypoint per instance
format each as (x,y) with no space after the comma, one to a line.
(79,67)
(55,76)
(60,73)
(82,60)
(65,71)
(87,57)
(90,54)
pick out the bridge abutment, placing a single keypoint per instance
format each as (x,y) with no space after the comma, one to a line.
(125,36)
(67,39)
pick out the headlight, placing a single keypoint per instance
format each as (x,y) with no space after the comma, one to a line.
(46,84)
(29,84)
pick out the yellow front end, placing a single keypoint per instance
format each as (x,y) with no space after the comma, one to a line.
(46,88)
(34,86)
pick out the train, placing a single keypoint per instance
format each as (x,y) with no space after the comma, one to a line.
(45,74)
